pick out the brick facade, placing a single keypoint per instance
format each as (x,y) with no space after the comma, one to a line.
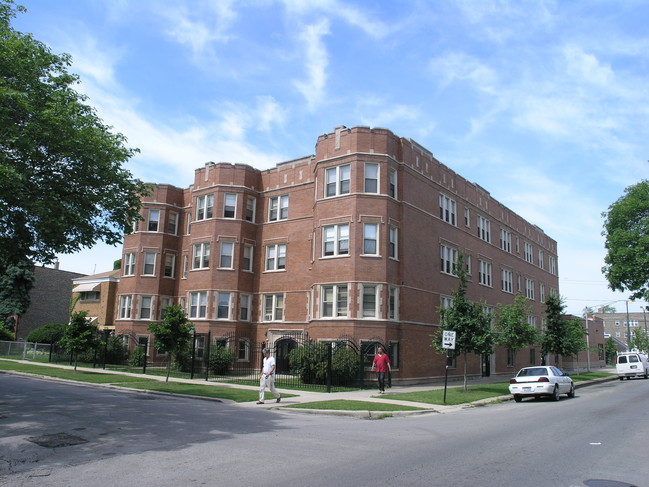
(344,243)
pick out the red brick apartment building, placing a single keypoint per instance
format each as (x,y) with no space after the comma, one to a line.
(356,241)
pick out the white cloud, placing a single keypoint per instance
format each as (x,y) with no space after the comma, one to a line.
(460,66)
(316,62)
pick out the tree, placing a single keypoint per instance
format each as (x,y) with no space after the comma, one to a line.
(639,341)
(513,331)
(552,337)
(173,334)
(561,336)
(469,320)
(626,228)
(610,350)
(607,309)
(62,184)
(16,280)
(79,335)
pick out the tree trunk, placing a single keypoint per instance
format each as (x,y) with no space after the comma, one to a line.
(466,388)
(168,368)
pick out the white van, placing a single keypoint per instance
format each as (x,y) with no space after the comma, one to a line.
(632,364)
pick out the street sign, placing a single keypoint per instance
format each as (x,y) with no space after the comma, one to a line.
(448,339)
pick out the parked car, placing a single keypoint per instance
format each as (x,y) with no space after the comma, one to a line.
(541,381)
(632,364)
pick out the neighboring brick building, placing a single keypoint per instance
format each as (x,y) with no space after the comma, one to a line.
(356,241)
(96,294)
(615,326)
(50,300)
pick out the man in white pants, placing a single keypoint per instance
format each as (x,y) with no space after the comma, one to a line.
(268,377)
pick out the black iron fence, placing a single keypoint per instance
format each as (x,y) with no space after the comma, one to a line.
(301,362)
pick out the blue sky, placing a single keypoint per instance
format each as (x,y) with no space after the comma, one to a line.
(543,103)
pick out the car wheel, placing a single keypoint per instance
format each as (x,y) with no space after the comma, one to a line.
(518,398)
(556,394)
(571,393)
(646,374)
(621,378)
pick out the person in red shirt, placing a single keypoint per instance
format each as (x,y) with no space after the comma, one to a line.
(382,366)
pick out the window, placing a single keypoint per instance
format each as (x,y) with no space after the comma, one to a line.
(125,306)
(243,352)
(552,266)
(337,180)
(507,281)
(448,259)
(185,266)
(227,251)
(145,307)
(89,296)
(467,264)
(244,307)
(229,205)
(542,292)
(164,304)
(393,183)
(172,223)
(205,207)
(251,208)
(370,238)
(198,304)
(335,240)
(447,209)
(278,208)
(188,230)
(532,356)
(276,257)
(333,301)
(510,357)
(201,256)
(484,229)
(154,220)
(370,301)
(541,259)
(170,265)
(467,217)
(248,252)
(273,307)
(505,240)
(371,177)
(484,273)
(529,289)
(528,253)
(223,306)
(149,264)
(393,303)
(129,264)
(394,243)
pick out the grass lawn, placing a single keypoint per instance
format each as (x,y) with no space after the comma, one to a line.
(218,392)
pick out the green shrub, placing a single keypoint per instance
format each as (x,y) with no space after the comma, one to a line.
(6,335)
(50,333)
(221,359)
(138,356)
(310,362)
(345,364)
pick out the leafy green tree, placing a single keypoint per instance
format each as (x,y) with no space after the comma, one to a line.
(62,182)
(639,340)
(16,280)
(610,350)
(607,309)
(626,228)
(574,340)
(50,333)
(80,335)
(469,320)
(552,337)
(513,331)
(173,334)
(561,336)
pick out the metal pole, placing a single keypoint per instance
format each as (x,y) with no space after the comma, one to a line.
(587,346)
(448,359)
(628,327)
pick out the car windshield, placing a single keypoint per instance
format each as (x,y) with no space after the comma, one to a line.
(633,358)
(533,372)
(621,360)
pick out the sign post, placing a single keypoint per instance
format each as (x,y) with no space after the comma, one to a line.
(448,342)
